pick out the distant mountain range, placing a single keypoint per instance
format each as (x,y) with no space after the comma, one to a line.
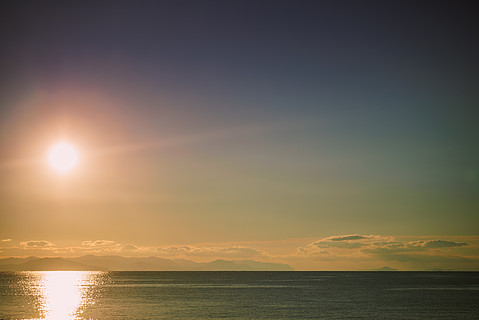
(118,263)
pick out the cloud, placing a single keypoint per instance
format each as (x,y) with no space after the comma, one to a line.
(423,254)
(129,247)
(5,243)
(352,241)
(435,244)
(376,244)
(412,246)
(100,243)
(235,252)
(349,237)
(37,244)
(383,250)
(407,254)
(334,252)
(342,245)
(391,246)
(388,244)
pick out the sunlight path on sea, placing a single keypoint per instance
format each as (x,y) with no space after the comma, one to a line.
(63,295)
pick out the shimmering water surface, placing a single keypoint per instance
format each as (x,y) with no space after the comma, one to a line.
(67,295)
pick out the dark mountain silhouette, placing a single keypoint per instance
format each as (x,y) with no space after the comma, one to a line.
(46,264)
(118,263)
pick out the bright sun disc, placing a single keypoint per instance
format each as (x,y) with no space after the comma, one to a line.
(62,157)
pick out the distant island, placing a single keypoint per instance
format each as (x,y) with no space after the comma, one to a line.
(118,263)
(383,269)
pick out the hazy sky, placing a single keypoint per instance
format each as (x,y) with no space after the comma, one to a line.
(243,129)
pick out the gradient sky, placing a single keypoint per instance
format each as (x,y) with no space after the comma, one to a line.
(243,129)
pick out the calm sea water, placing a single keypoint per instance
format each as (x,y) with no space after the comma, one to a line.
(67,295)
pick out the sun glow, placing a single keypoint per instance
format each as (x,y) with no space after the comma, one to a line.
(62,157)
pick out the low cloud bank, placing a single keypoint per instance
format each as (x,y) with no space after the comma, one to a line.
(336,252)
(413,254)
(222,252)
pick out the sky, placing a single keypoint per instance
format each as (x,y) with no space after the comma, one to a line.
(329,135)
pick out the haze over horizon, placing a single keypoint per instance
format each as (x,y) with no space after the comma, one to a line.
(326,135)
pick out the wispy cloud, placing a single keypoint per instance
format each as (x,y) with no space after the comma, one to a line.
(37,244)
(435,244)
(100,243)
(129,247)
(354,241)
(235,252)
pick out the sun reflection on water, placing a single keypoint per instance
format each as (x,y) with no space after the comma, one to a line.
(63,295)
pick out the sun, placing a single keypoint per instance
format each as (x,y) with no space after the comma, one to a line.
(62,157)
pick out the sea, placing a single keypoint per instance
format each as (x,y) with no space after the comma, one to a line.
(64,295)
